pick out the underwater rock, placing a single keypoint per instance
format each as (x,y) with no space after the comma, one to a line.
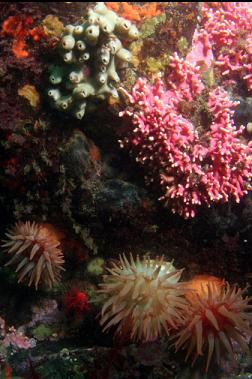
(100,190)
(152,353)
(243,112)
(46,312)
(91,53)
(117,194)
(76,154)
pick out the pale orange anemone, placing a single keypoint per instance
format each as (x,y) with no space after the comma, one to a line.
(217,316)
(198,286)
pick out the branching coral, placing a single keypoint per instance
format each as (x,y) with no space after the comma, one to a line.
(195,158)
(226,29)
(217,315)
(145,298)
(91,52)
(36,252)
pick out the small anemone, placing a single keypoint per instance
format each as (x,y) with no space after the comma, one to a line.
(36,253)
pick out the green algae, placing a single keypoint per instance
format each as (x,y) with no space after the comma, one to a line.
(42,332)
(96,266)
(149,26)
(156,65)
(183,45)
(209,77)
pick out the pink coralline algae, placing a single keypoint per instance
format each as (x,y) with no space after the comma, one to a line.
(18,340)
(14,338)
(194,162)
(229,27)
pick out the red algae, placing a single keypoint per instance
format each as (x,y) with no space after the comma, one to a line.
(136,12)
(75,303)
(19,27)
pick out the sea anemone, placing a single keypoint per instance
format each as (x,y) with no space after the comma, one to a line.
(36,253)
(217,316)
(145,298)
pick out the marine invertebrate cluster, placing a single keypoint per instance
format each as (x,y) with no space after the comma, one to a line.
(91,52)
(195,161)
(217,315)
(36,253)
(145,298)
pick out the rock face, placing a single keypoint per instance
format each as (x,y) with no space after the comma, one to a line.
(91,53)
(99,188)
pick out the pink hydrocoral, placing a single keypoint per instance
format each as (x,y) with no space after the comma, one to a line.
(228,173)
(229,26)
(184,82)
(192,165)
